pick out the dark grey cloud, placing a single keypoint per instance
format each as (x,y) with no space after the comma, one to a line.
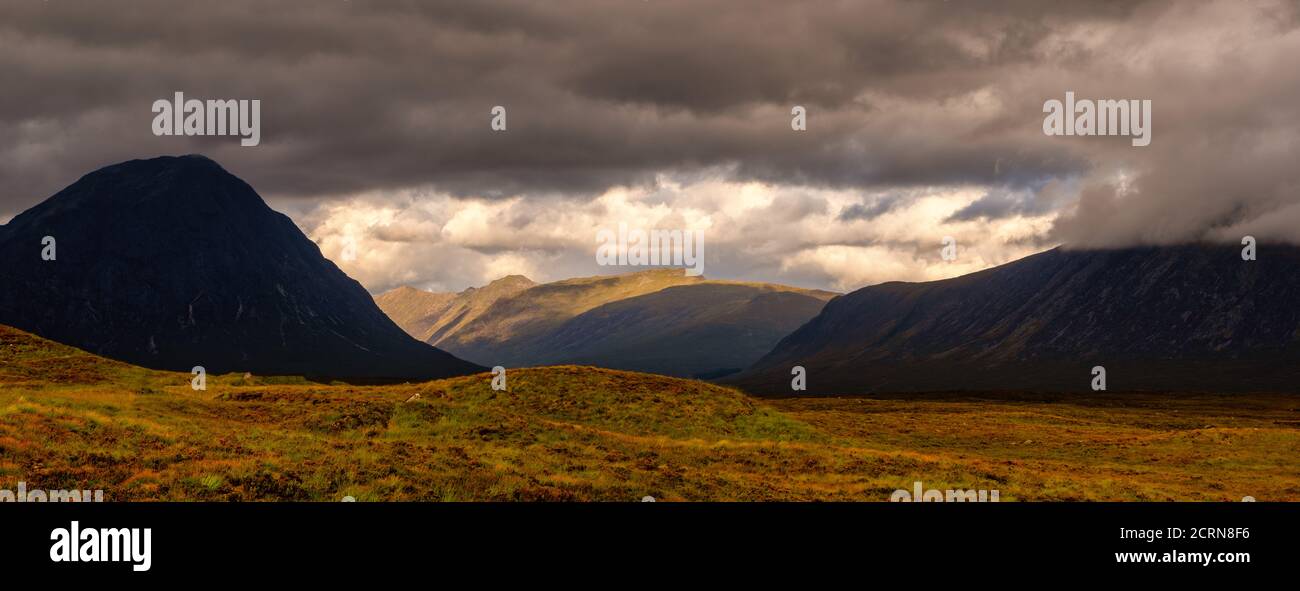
(371,95)
(362,94)
(1030,199)
(873,207)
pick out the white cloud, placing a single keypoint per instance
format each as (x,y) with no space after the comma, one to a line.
(752,231)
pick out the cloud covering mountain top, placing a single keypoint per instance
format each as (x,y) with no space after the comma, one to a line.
(921,115)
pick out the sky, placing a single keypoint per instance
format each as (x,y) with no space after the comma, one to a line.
(924,121)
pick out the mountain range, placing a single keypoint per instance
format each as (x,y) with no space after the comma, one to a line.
(1174,318)
(173,262)
(434,316)
(658,321)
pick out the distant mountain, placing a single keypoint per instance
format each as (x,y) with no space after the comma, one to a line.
(1184,318)
(173,262)
(510,331)
(705,330)
(413,309)
(658,321)
(432,317)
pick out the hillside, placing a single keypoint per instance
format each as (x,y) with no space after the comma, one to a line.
(658,321)
(1184,318)
(173,262)
(701,330)
(508,331)
(433,317)
(69,420)
(413,308)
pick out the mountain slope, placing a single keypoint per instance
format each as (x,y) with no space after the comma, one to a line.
(1171,318)
(173,262)
(705,330)
(508,332)
(411,308)
(432,317)
(658,321)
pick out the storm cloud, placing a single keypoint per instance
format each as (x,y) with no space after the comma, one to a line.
(379,102)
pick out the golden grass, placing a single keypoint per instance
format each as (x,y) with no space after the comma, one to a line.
(71,420)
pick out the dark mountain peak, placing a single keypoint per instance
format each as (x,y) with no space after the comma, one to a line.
(159,163)
(163,175)
(186,190)
(1190,317)
(174,262)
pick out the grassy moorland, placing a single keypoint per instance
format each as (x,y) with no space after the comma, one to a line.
(70,420)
